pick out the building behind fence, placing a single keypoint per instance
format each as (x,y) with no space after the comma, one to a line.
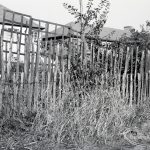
(35,64)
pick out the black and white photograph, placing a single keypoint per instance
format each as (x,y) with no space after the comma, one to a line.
(74,74)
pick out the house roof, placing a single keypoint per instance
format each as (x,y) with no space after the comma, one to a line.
(17,18)
(106,33)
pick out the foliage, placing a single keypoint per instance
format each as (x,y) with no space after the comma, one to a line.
(93,17)
(85,76)
(138,38)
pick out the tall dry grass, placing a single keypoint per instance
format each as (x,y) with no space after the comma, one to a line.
(92,115)
(96,118)
(77,120)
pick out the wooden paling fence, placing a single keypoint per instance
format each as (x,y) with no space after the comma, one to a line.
(127,66)
(34,61)
(36,58)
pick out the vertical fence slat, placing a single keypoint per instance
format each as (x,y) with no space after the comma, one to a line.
(131,77)
(145,73)
(1,74)
(49,86)
(127,88)
(31,74)
(111,62)
(102,76)
(55,76)
(142,76)
(63,61)
(91,47)
(135,73)
(106,68)
(36,87)
(6,55)
(69,50)
(125,72)
(16,81)
(115,68)
(120,65)
(146,86)
(139,90)
(9,59)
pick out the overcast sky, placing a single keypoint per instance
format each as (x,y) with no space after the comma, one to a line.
(122,12)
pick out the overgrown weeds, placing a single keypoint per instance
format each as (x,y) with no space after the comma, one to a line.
(94,118)
(90,113)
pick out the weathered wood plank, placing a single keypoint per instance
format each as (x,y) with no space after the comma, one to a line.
(135,74)
(31,76)
(131,77)
(125,72)
(142,77)
(50,71)
(16,80)
(139,90)
(36,86)
(9,59)
(55,75)
(1,74)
